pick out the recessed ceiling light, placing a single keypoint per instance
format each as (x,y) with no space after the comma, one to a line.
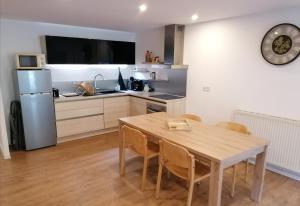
(143,7)
(195,17)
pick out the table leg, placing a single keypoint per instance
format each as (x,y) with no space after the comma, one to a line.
(215,184)
(120,148)
(258,178)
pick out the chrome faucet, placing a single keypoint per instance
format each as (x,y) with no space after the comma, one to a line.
(95,80)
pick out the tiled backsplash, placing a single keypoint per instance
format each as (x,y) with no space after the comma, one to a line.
(64,77)
(68,72)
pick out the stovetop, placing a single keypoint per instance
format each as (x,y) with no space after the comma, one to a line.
(166,96)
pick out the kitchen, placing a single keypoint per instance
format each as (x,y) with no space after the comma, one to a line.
(175,80)
(87,108)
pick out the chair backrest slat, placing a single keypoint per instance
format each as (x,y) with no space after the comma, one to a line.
(234,127)
(192,117)
(175,158)
(135,139)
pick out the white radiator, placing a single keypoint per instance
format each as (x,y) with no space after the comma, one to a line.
(284,151)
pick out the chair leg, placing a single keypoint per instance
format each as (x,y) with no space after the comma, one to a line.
(190,194)
(233,180)
(158,180)
(246,170)
(144,173)
(122,171)
(187,184)
(168,174)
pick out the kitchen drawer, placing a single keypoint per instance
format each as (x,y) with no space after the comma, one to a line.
(79,105)
(116,105)
(118,100)
(79,125)
(67,114)
(137,100)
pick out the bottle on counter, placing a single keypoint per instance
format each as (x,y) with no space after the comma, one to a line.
(118,88)
(151,57)
(147,55)
(129,83)
(146,87)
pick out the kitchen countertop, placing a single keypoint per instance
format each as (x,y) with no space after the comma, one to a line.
(145,95)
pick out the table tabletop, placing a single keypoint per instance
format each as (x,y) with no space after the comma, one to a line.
(211,142)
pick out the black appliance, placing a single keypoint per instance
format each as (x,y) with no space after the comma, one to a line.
(69,50)
(137,85)
(55,92)
(16,126)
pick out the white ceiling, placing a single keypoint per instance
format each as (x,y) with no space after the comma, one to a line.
(124,14)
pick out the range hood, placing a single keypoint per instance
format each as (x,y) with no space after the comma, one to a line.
(173,50)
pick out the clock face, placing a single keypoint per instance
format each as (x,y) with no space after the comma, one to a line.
(281,44)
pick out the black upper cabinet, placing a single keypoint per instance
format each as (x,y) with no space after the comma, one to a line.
(124,52)
(82,50)
(59,50)
(104,52)
(66,50)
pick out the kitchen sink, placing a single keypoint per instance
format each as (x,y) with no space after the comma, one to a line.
(103,92)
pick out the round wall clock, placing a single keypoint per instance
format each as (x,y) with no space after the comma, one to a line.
(281,44)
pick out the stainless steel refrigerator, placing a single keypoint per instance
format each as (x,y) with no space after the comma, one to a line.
(35,94)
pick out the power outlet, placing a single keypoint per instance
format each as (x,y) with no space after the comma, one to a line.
(206,89)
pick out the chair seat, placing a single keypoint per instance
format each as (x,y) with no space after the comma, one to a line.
(153,149)
(201,171)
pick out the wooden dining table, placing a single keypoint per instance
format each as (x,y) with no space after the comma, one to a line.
(223,148)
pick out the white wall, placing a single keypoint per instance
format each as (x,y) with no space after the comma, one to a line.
(225,56)
(22,36)
(3,133)
(151,40)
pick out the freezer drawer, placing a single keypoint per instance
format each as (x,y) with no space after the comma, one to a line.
(34,81)
(39,120)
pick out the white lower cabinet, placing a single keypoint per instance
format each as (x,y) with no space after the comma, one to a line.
(86,117)
(138,106)
(115,108)
(78,117)
(79,125)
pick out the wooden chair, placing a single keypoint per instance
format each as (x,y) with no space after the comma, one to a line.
(181,163)
(136,141)
(242,129)
(192,117)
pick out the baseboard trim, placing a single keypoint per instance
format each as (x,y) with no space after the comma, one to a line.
(84,135)
(280,170)
(4,155)
(283,171)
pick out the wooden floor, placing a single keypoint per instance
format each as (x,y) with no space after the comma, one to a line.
(85,172)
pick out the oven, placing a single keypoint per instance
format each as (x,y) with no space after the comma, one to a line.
(156,107)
